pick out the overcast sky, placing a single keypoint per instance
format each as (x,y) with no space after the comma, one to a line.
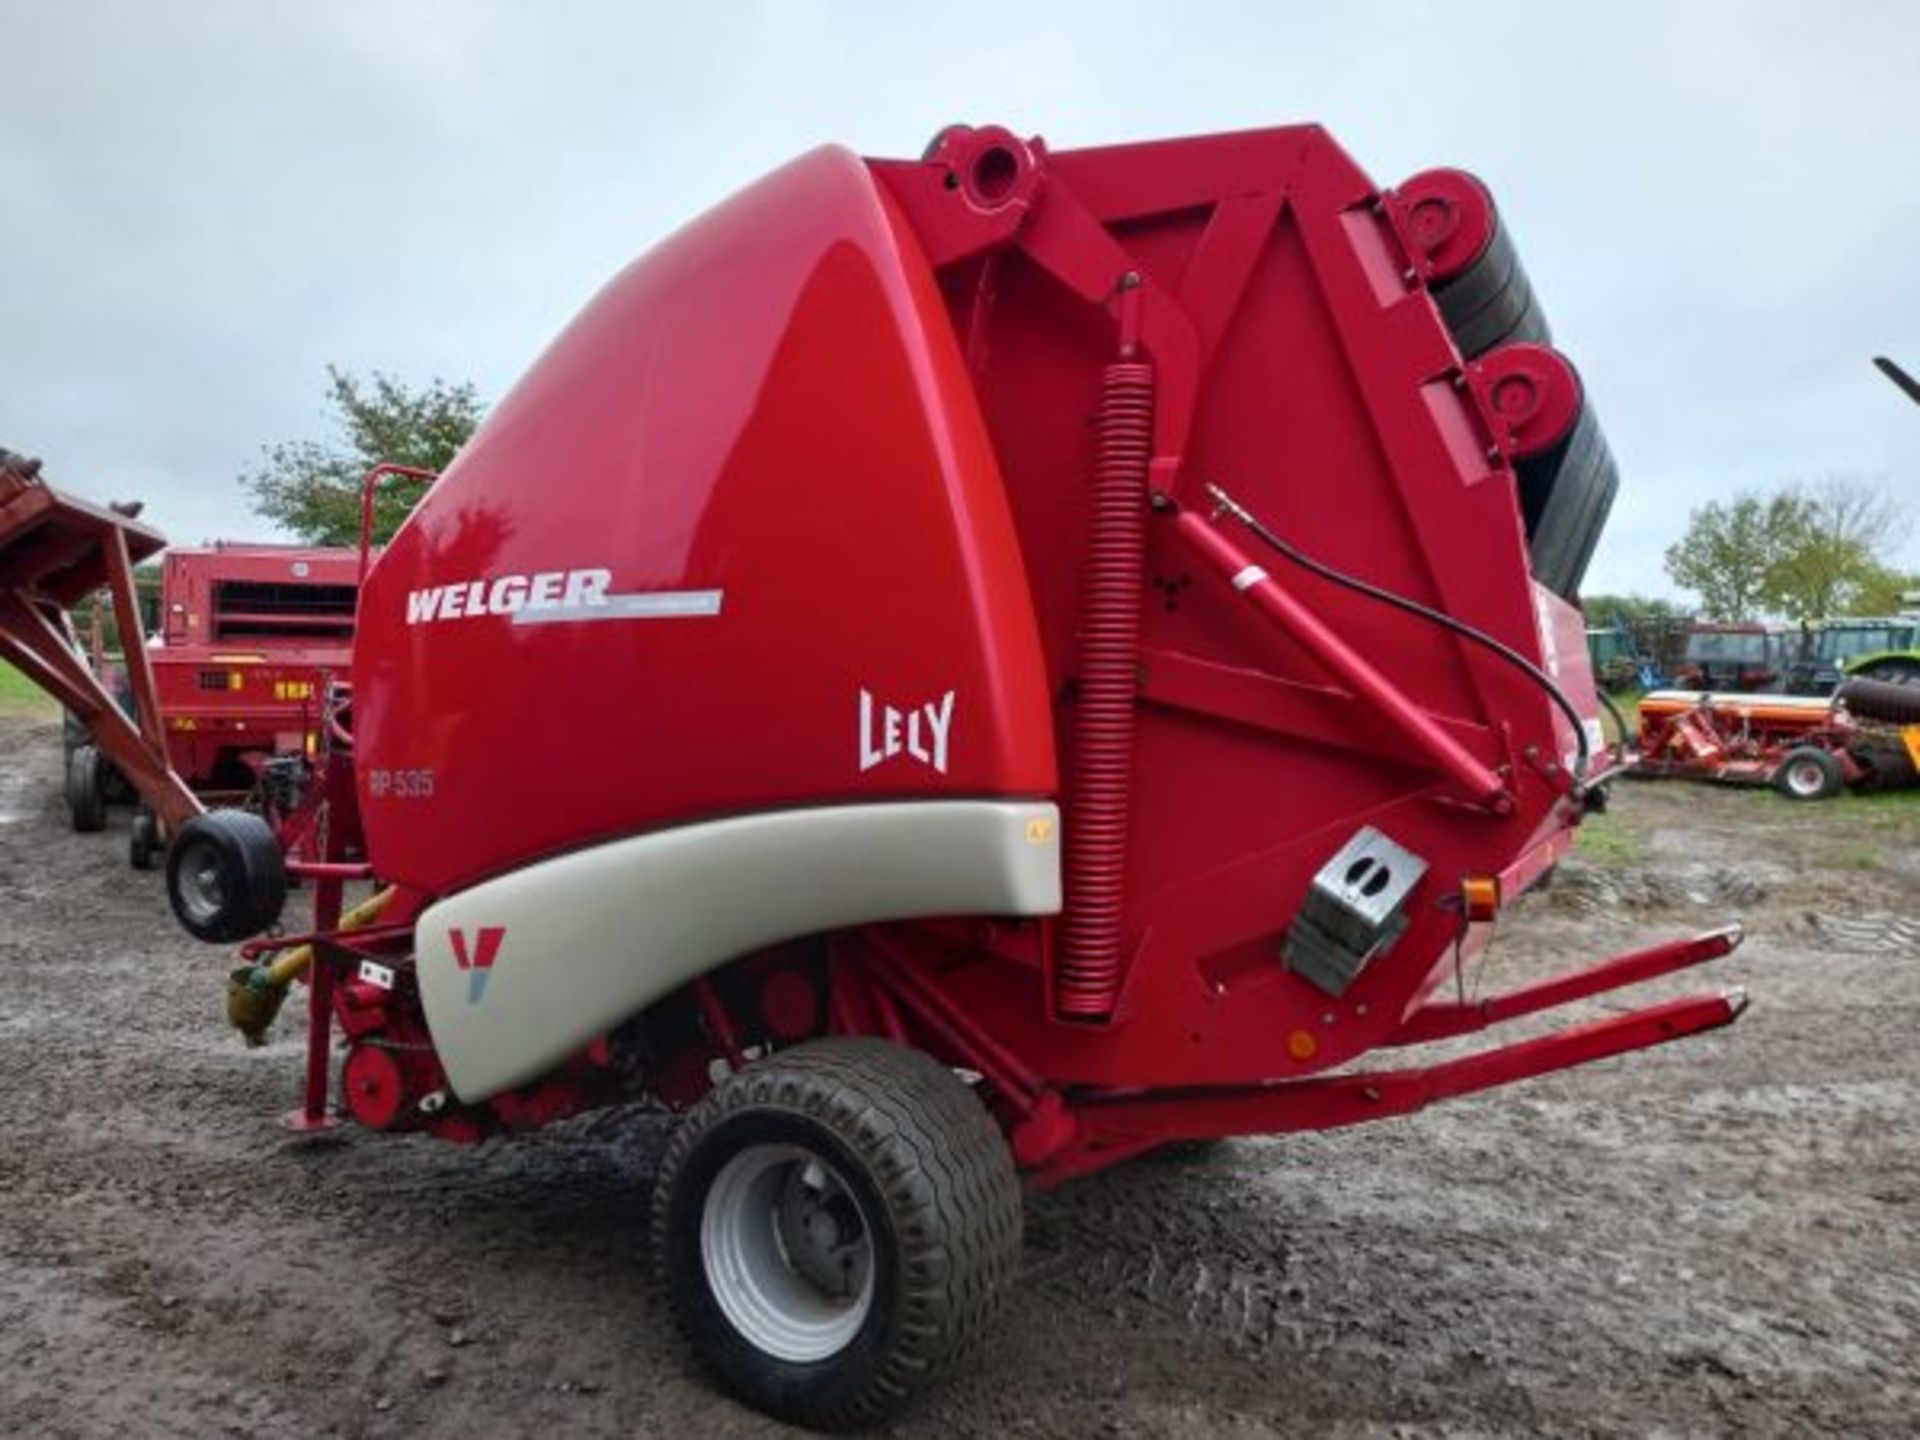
(206,203)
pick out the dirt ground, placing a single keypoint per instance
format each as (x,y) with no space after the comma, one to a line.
(1721,1236)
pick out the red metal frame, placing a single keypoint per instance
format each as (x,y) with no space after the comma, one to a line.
(53,551)
(368,485)
(1361,678)
(1058,1135)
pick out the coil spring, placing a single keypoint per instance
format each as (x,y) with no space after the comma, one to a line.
(1088,974)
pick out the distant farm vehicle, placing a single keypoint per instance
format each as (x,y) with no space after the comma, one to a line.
(1619,664)
(1736,657)
(1892,654)
(248,637)
(1806,747)
(1873,648)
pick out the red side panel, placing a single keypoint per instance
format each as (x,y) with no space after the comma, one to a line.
(1329,398)
(759,447)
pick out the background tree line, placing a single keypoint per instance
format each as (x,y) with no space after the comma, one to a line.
(1806,551)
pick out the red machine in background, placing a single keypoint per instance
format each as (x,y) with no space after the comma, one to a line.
(1075,651)
(1742,657)
(248,637)
(1806,747)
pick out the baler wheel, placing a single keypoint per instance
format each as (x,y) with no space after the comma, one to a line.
(87,789)
(834,1226)
(1810,773)
(1491,302)
(226,877)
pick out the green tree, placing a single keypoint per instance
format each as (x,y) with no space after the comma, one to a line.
(313,488)
(1629,612)
(1829,561)
(1883,591)
(1729,552)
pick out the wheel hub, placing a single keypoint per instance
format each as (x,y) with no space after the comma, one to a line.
(202,891)
(788,1252)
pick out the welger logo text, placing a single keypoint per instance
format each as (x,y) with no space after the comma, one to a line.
(505,594)
(477,957)
(919,734)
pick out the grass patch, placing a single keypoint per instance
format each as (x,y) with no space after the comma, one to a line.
(19,695)
(1853,857)
(1606,842)
(1875,809)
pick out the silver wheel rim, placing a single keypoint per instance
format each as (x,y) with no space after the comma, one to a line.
(202,892)
(1805,778)
(788,1252)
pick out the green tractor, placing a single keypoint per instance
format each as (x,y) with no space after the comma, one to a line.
(1867,647)
(1618,663)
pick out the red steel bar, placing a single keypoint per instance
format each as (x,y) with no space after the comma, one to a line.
(1327,1104)
(367,487)
(312,1114)
(1280,606)
(133,649)
(1442,1020)
(54,550)
(330,869)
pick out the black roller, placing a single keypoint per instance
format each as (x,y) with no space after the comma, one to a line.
(1888,701)
(1565,495)
(1491,302)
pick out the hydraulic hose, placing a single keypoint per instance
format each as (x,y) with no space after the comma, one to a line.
(1584,753)
(1619,720)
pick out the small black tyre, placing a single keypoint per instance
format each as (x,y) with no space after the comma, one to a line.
(1810,773)
(87,789)
(226,877)
(143,843)
(834,1226)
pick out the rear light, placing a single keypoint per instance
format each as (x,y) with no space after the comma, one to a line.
(1480,896)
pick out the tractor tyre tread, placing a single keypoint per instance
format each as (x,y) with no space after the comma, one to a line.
(86,789)
(945,1182)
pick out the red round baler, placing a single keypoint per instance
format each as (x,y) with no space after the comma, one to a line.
(964,669)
